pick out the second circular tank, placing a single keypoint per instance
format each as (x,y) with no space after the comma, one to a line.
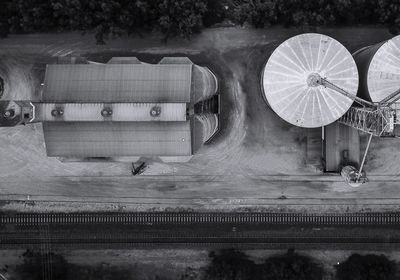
(379,67)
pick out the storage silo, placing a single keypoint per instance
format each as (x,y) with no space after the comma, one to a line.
(379,68)
(288,80)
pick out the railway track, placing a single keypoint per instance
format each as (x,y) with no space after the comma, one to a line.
(208,240)
(215,229)
(154,237)
(202,218)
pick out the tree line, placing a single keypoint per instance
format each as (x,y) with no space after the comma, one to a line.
(186,17)
(226,264)
(104,17)
(235,265)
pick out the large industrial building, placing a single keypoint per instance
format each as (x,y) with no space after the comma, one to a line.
(123,110)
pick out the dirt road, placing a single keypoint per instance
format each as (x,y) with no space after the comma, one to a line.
(245,165)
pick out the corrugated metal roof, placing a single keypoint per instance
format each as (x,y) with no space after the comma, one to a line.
(81,112)
(112,139)
(286,73)
(118,83)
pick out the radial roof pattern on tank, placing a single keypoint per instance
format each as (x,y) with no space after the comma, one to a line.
(384,70)
(285,80)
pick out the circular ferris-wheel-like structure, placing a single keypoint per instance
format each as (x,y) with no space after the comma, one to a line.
(294,78)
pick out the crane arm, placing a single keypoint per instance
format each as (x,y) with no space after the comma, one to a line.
(315,80)
(324,82)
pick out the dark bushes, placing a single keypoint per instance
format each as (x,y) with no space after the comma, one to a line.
(315,12)
(185,17)
(216,12)
(230,265)
(291,266)
(389,13)
(1,87)
(367,267)
(234,265)
(180,18)
(105,17)
(258,13)
(38,266)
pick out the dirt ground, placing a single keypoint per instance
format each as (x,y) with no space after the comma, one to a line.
(256,158)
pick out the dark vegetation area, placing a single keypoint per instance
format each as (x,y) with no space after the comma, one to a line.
(227,264)
(367,267)
(1,87)
(185,17)
(234,265)
(38,266)
(104,17)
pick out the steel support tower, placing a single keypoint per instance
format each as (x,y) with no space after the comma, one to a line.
(376,119)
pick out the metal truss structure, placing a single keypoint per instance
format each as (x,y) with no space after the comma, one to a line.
(377,121)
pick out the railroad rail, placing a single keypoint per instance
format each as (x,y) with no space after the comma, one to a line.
(193,236)
(207,240)
(189,218)
(205,229)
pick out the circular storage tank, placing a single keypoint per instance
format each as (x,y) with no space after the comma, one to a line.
(286,80)
(379,67)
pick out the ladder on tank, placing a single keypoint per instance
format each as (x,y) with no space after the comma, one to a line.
(376,119)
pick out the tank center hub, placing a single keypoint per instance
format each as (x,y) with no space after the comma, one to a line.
(155,111)
(314,80)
